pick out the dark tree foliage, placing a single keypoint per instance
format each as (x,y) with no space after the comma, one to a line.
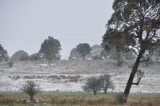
(31,89)
(140,20)
(114,39)
(3,54)
(35,56)
(83,49)
(50,49)
(20,55)
(74,54)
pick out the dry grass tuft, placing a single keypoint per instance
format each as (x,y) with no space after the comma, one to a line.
(7,100)
(104,101)
(74,78)
(144,101)
(79,100)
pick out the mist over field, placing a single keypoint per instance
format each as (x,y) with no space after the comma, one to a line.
(79,52)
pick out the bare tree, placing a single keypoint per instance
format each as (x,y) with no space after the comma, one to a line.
(93,84)
(31,89)
(106,83)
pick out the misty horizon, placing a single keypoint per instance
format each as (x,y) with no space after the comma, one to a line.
(25,24)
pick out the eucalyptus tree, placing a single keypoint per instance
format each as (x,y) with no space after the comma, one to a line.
(83,49)
(50,49)
(139,19)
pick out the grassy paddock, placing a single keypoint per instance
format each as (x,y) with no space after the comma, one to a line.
(77,99)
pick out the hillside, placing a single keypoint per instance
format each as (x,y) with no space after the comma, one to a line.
(70,75)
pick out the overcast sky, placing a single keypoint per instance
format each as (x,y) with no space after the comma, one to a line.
(24,24)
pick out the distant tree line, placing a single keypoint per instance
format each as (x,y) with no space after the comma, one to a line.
(51,47)
(50,50)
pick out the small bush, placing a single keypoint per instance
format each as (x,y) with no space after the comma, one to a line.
(31,89)
(93,84)
(28,77)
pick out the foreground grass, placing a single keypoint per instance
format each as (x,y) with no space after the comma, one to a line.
(77,99)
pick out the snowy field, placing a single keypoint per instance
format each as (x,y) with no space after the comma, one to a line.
(71,75)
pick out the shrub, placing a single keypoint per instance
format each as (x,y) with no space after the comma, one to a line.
(31,89)
(93,84)
(106,82)
(7,100)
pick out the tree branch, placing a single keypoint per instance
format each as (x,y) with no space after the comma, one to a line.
(139,79)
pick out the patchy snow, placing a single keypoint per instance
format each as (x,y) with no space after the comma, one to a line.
(71,75)
(43,65)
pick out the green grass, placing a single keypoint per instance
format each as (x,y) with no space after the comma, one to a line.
(144,94)
(51,93)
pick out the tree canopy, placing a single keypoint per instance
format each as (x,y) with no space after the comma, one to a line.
(139,22)
(74,54)
(83,49)
(20,55)
(50,49)
(3,54)
(118,40)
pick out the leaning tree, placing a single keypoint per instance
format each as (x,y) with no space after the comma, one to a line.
(139,19)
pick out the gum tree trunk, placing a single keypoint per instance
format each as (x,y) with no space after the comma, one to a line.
(95,92)
(105,91)
(132,74)
(31,98)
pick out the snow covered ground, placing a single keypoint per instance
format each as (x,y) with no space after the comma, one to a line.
(71,75)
